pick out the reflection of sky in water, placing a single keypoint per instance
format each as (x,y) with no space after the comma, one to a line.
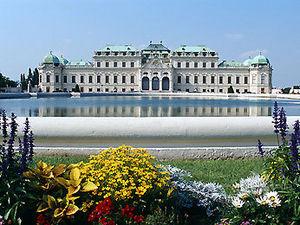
(143,106)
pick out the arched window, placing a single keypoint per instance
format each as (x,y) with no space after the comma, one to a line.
(145,83)
(155,83)
(165,84)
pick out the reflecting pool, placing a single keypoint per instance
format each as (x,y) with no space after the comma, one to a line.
(144,106)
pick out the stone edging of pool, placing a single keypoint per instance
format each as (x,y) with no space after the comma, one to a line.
(165,153)
(162,94)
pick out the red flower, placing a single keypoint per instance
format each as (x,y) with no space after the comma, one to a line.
(104,221)
(103,208)
(128,211)
(138,219)
(41,220)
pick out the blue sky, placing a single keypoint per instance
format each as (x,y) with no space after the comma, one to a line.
(29,29)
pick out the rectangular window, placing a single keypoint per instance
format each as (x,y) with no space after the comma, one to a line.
(179,79)
(123,64)
(245,80)
(195,64)
(229,80)
(56,78)
(90,89)
(221,90)
(98,89)
(115,64)
(73,79)
(106,90)
(187,64)
(132,79)
(81,89)
(65,79)
(107,79)
(81,79)
(132,89)
(98,79)
(90,79)
(98,64)
(106,64)
(245,90)
(115,79)
(212,79)
(178,64)
(204,65)
(212,65)
(195,79)
(187,79)
(123,89)
(204,79)
(48,79)
(132,64)
(212,90)
(204,90)
(220,80)
(237,90)
(123,79)
(237,80)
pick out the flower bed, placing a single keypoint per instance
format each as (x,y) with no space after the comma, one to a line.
(126,185)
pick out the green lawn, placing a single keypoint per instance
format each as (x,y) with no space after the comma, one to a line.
(224,172)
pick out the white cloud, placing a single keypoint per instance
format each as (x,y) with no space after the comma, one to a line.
(234,36)
(253,53)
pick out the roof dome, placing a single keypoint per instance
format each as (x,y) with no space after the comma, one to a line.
(51,59)
(247,62)
(63,60)
(260,59)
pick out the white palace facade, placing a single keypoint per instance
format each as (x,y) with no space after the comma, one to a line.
(123,68)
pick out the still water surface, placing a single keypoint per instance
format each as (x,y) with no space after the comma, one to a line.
(144,106)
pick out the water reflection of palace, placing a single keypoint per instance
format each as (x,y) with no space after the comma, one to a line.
(153,111)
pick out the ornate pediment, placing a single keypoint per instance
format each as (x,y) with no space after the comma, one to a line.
(156,63)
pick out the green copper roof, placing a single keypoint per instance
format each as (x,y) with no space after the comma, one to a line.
(63,60)
(51,59)
(118,48)
(231,63)
(156,47)
(247,62)
(197,48)
(260,59)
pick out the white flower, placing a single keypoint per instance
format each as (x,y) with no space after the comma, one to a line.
(243,196)
(236,186)
(253,184)
(273,199)
(262,200)
(237,202)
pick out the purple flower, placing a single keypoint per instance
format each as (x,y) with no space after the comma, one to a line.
(246,223)
(275,116)
(296,127)
(294,154)
(260,150)
(282,125)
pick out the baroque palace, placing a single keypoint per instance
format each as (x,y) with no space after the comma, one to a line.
(123,68)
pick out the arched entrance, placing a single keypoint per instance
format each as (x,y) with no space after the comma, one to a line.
(145,83)
(165,84)
(155,83)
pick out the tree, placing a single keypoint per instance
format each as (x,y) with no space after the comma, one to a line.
(30,76)
(76,89)
(6,82)
(23,82)
(35,78)
(230,90)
